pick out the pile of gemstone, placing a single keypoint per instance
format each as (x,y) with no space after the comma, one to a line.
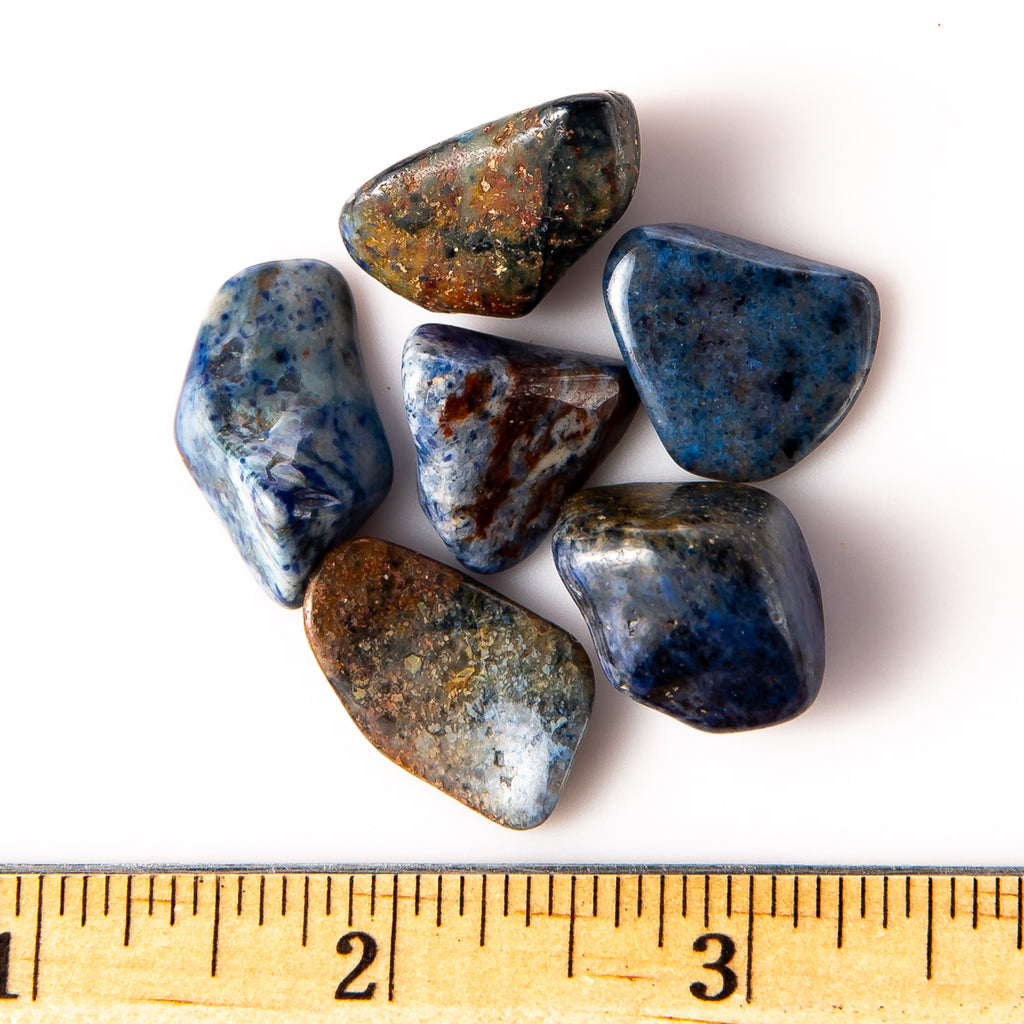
(701,598)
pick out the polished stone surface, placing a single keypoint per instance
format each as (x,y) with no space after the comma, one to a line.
(504,431)
(701,599)
(466,690)
(486,222)
(745,357)
(276,422)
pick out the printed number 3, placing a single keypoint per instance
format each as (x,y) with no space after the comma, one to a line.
(727,952)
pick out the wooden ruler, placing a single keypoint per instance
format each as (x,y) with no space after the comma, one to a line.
(564,944)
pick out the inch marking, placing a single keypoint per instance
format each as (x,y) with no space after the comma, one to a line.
(928,940)
(750,939)
(661,911)
(572,922)
(128,910)
(39,941)
(394,935)
(216,925)
(483,908)
(305,911)
(839,915)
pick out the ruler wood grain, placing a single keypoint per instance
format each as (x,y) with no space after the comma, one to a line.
(564,944)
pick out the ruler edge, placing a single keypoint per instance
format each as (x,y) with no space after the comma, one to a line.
(535,868)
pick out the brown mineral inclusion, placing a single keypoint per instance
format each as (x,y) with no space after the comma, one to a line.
(486,222)
(463,688)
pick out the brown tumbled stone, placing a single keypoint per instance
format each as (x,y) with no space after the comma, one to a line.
(461,687)
(486,222)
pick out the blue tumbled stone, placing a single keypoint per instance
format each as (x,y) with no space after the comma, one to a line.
(701,599)
(745,357)
(504,431)
(276,422)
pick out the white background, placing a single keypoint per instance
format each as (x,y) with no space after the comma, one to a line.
(157,707)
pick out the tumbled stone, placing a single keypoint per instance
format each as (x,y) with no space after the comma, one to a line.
(276,422)
(466,690)
(745,357)
(504,431)
(701,599)
(486,222)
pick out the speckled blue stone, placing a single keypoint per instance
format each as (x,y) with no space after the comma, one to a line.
(745,357)
(504,431)
(701,599)
(276,422)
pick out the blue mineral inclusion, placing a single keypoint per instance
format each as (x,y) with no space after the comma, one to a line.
(745,357)
(701,599)
(276,422)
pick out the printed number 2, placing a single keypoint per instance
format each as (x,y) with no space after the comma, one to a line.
(369,947)
(5,963)
(727,952)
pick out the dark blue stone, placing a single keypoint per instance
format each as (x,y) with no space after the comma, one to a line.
(745,357)
(276,422)
(504,431)
(701,599)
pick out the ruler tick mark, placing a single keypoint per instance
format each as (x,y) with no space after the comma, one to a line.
(974,906)
(906,898)
(63,883)
(284,896)
(416,903)
(85,897)
(661,911)
(394,935)
(1020,915)
(728,895)
(17,897)
(885,901)
(106,895)
(238,898)
(351,883)
(327,898)
(128,910)
(195,895)
(618,894)
(483,908)
(593,912)
(683,898)
(551,895)
(863,897)
(952,898)
(998,880)
(263,886)
(572,922)
(373,894)
(707,887)
(152,883)
(440,884)
(216,925)
(39,941)
(817,897)
(529,880)
(305,911)
(750,939)
(639,895)
(774,888)
(504,902)
(174,897)
(928,939)
(839,915)
(796,900)
(462,895)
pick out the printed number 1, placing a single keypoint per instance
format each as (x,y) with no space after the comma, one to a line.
(5,964)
